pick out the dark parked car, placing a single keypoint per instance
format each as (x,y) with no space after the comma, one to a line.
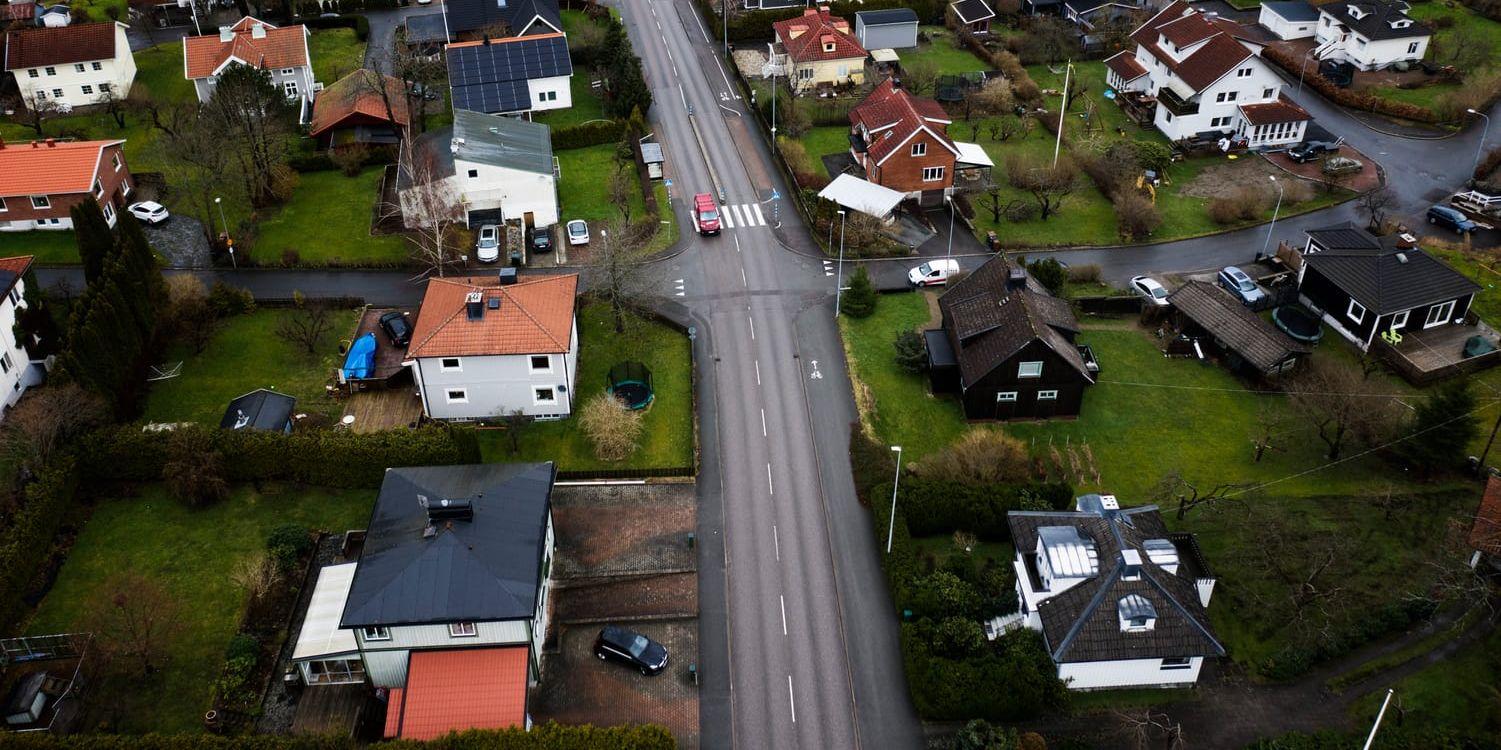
(1309,150)
(631,648)
(542,240)
(398,329)
(1450,218)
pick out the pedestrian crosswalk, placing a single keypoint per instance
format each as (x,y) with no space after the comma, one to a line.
(742,215)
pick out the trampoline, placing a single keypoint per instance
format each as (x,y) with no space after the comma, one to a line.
(1298,323)
(631,383)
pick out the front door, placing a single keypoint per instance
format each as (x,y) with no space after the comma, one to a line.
(1005,404)
(1439,314)
(530,219)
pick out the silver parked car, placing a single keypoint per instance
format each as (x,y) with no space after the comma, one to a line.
(1148,289)
(1240,284)
(487,247)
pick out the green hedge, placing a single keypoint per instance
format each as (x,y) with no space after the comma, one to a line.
(26,543)
(360,24)
(1296,659)
(943,507)
(1009,679)
(592,133)
(327,458)
(320,161)
(542,737)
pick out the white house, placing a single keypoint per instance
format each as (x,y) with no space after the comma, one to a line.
(446,606)
(481,349)
(498,169)
(1289,19)
(251,41)
(1371,34)
(18,371)
(511,76)
(1119,601)
(71,66)
(1205,80)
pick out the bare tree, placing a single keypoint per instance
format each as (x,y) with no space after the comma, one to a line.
(1306,567)
(135,620)
(516,422)
(1462,47)
(1048,39)
(1050,185)
(618,276)
(1341,405)
(188,316)
(306,324)
(34,112)
(995,98)
(430,209)
(1146,729)
(169,117)
(114,105)
(419,74)
(1376,204)
(252,115)
(621,185)
(1269,426)
(47,419)
(1191,494)
(1453,577)
(204,169)
(920,76)
(611,427)
(388,89)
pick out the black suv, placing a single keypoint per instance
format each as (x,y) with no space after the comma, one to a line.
(542,240)
(397,328)
(1307,151)
(631,648)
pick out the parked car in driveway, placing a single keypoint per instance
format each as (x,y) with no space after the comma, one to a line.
(542,240)
(1307,151)
(933,273)
(1148,289)
(487,247)
(629,647)
(1338,165)
(1450,218)
(578,232)
(150,212)
(398,329)
(1240,284)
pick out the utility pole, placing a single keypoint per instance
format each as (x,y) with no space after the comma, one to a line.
(1372,738)
(895,482)
(1068,69)
(724,15)
(839,282)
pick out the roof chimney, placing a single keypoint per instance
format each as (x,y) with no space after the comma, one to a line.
(474,305)
(507,276)
(485,41)
(226,34)
(258,32)
(1406,241)
(51,143)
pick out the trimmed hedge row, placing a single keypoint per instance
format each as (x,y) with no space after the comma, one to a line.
(327,458)
(25,544)
(592,133)
(1009,679)
(547,736)
(943,507)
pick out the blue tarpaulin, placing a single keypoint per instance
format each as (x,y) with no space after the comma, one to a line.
(360,362)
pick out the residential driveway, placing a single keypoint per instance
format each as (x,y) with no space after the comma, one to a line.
(181,240)
(608,531)
(383,24)
(1369,178)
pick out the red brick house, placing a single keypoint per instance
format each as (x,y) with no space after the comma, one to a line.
(41,180)
(902,142)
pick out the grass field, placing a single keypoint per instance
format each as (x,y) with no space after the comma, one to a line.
(1453,16)
(584,187)
(943,52)
(587,105)
(246,354)
(336,53)
(667,439)
(1458,694)
(327,222)
(194,563)
(48,247)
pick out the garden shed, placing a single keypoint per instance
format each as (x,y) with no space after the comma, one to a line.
(1248,343)
(895,28)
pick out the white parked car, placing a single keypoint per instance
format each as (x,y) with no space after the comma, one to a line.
(487,247)
(933,272)
(578,232)
(1148,289)
(150,212)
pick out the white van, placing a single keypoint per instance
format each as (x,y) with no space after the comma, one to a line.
(933,272)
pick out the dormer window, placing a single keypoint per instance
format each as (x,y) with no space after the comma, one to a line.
(1356,12)
(1401,23)
(828,46)
(1136,614)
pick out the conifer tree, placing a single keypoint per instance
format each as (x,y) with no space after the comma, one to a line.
(96,243)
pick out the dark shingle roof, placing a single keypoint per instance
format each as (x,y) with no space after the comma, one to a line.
(988,323)
(1082,623)
(1345,236)
(889,16)
(1292,10)
(1381,277)
(475,15)
(1376,23)
(426,29)
(970,11)
(492,77)
(484,569)
(1234,325)
(259,409)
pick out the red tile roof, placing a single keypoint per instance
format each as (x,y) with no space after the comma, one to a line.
(49,167)
(356,94)
(805,37)
(280,48)
(1210,61)
(1486,534)
(30,48)
(13,268)
(1271,113)
(535,317)
(452,691)
(17,11)
(887,106)
(1125,65)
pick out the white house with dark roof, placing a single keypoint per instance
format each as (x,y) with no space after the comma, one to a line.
(1370,34)
(1289,19)
(512,75)
(1206,81)
(498,169)
(1120,602)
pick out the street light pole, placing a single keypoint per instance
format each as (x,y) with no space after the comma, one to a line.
(1480,149)
(229,241)
(839,282)
(724,14)
(1270,227)
(1379,714)
(950,199)
(896,481)
(1068,70)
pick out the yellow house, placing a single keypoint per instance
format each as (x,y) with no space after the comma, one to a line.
(818,49)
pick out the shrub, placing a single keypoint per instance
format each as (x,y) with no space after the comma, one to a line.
(942,595)
(945,689)
(1050,273)
(226,300)
(350,159)
(935,505)
(26,539)
(1223,211)
(1135,216)
(592,133)
(286,544)
(242,646)
(611,427)
(361,28)
(911,351)
(1085,273)
(860,300)
(194,471)
(979,457)
(1296,191)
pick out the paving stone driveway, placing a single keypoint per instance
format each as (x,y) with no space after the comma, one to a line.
(181,241)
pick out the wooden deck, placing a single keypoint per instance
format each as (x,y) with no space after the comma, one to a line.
(388,358)
(331,709)
(1438,353)
(383,408)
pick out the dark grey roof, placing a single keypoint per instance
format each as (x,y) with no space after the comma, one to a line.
(651,153)
(940,353)
(1082,624)
(502,142)
(520,15)
(1380,276)
(1085,7)
(484,569)
(988,323)
(889,16)
(259,409)
(426,29)
(492,77)
(1234,325)
(970,11)
(1292,10)
(1377,21)
(779,4)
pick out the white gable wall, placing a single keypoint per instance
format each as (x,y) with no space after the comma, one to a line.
(1102,675)
(550,93)
(386,661)
(1285,29)
(512,190)
(495,385)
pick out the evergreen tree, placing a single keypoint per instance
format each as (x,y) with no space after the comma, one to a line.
(1443,427)
(859,301)
(96,244)
(629,89)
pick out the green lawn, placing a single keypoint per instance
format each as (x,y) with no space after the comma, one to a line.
(823,140)
(100,10)
(943,52)
(1486,32)
(327,222)
(584,186)
(1458,694)
(246,354)
(192,554)
(48,247)
(667,440)
(336,53)
(586,105)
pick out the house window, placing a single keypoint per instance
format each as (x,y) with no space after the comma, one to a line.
(473,173)
(34,73)
(288,71)
(804,73)
(87,90)
(115,162)
(462,629)
(1179,662)
(1412,49)
(1355,311)
(15,296)
(844,70)
(1047,395)
(1005,397)
(5,363)
(1267,93)
(1167,116)
(1226,96)
(919,149)
(41,201)
(51,71)
(104,88)
(932,174)
(57,93)
(1243,73)
(125,188)
(1439,314)
(1399,320)
(541,363)
(109,214)
(541,396)
(98,66)
(290,87)
(1360,43)
(98,188)
(3,207)
(458,396)
(1029,370)
(78,67)
(377,633)
(450,364)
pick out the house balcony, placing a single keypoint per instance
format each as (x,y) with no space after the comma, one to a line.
(1175,104)
(1442,352)
(1090,363)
